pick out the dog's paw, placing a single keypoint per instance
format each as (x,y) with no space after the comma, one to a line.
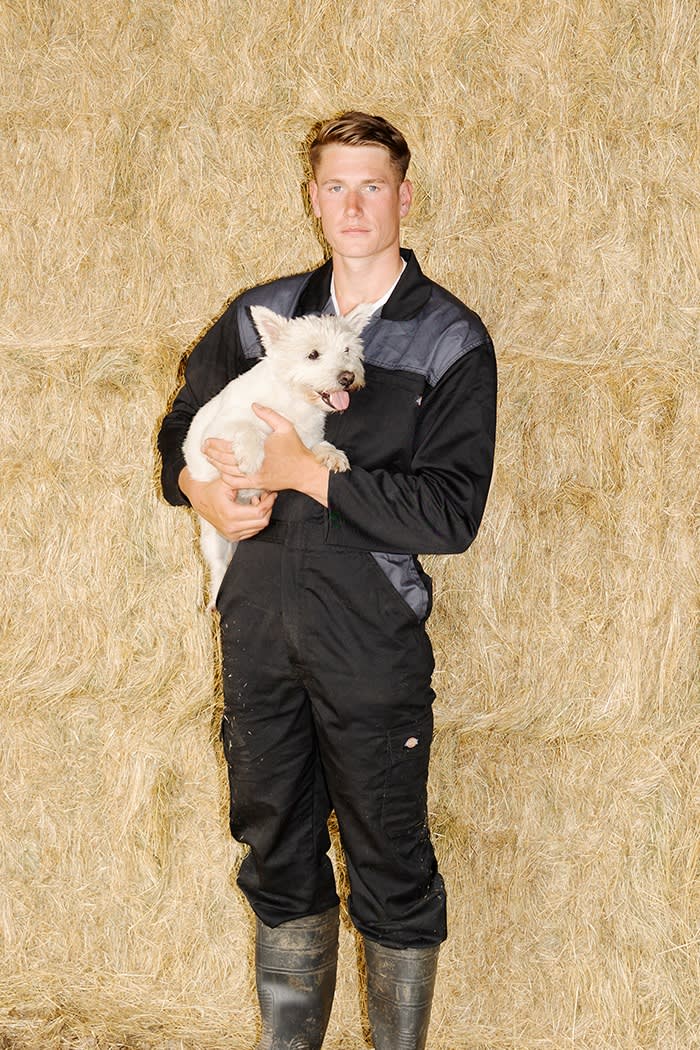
(247,495)
(330,456)
(248,448)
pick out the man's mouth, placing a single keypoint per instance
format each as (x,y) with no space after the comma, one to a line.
(337,400)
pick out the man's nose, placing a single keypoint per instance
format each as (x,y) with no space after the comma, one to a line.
(352,202)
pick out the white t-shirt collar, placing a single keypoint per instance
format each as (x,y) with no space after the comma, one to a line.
(376,305)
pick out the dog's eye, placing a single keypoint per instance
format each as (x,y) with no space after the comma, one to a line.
(347,350)
(313,355)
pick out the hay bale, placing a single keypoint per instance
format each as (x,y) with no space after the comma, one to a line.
(579,627)
(151,169)
(572,898)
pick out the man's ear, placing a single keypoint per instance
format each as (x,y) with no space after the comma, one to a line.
(405,196)
(313,197)
(269,325)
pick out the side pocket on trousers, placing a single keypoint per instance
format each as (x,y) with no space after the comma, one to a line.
(405,802)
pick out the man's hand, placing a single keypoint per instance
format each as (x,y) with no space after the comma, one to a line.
(216,502)
(288,463)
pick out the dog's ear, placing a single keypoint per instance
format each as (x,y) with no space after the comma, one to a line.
(269,324)
(358,318)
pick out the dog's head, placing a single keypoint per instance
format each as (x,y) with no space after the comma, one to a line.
(320,356)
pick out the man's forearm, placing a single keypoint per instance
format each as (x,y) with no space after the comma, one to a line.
(313,480)
(187,485)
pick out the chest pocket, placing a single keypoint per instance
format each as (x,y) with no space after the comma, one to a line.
(378,429)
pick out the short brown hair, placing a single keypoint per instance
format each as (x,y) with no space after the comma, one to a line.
(360,129)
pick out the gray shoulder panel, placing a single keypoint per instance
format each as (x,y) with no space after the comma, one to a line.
(429,343)
(281,296)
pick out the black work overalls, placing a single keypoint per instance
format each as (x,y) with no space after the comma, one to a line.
(326,661)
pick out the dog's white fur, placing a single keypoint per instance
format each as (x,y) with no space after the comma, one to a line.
(309,362)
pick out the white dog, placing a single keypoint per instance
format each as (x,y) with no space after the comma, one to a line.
(310,365)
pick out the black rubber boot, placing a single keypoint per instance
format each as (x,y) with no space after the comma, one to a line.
(295,966)
(400,983)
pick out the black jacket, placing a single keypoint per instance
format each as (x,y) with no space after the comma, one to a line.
(419,435)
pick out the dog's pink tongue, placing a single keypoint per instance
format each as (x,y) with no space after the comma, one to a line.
(339,399)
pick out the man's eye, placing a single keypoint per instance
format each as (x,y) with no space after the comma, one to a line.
(372,188)
(334,189)
(313,355)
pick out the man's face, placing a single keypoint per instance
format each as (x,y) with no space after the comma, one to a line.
(357,195)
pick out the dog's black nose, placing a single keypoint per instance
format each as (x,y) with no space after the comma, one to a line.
(346,379)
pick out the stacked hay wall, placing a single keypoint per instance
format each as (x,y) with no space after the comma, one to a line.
(150,168)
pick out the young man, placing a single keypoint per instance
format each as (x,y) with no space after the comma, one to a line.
(327,664)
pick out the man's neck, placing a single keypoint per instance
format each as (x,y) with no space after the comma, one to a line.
(363,280)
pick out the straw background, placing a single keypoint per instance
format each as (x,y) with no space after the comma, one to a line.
(150,169)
